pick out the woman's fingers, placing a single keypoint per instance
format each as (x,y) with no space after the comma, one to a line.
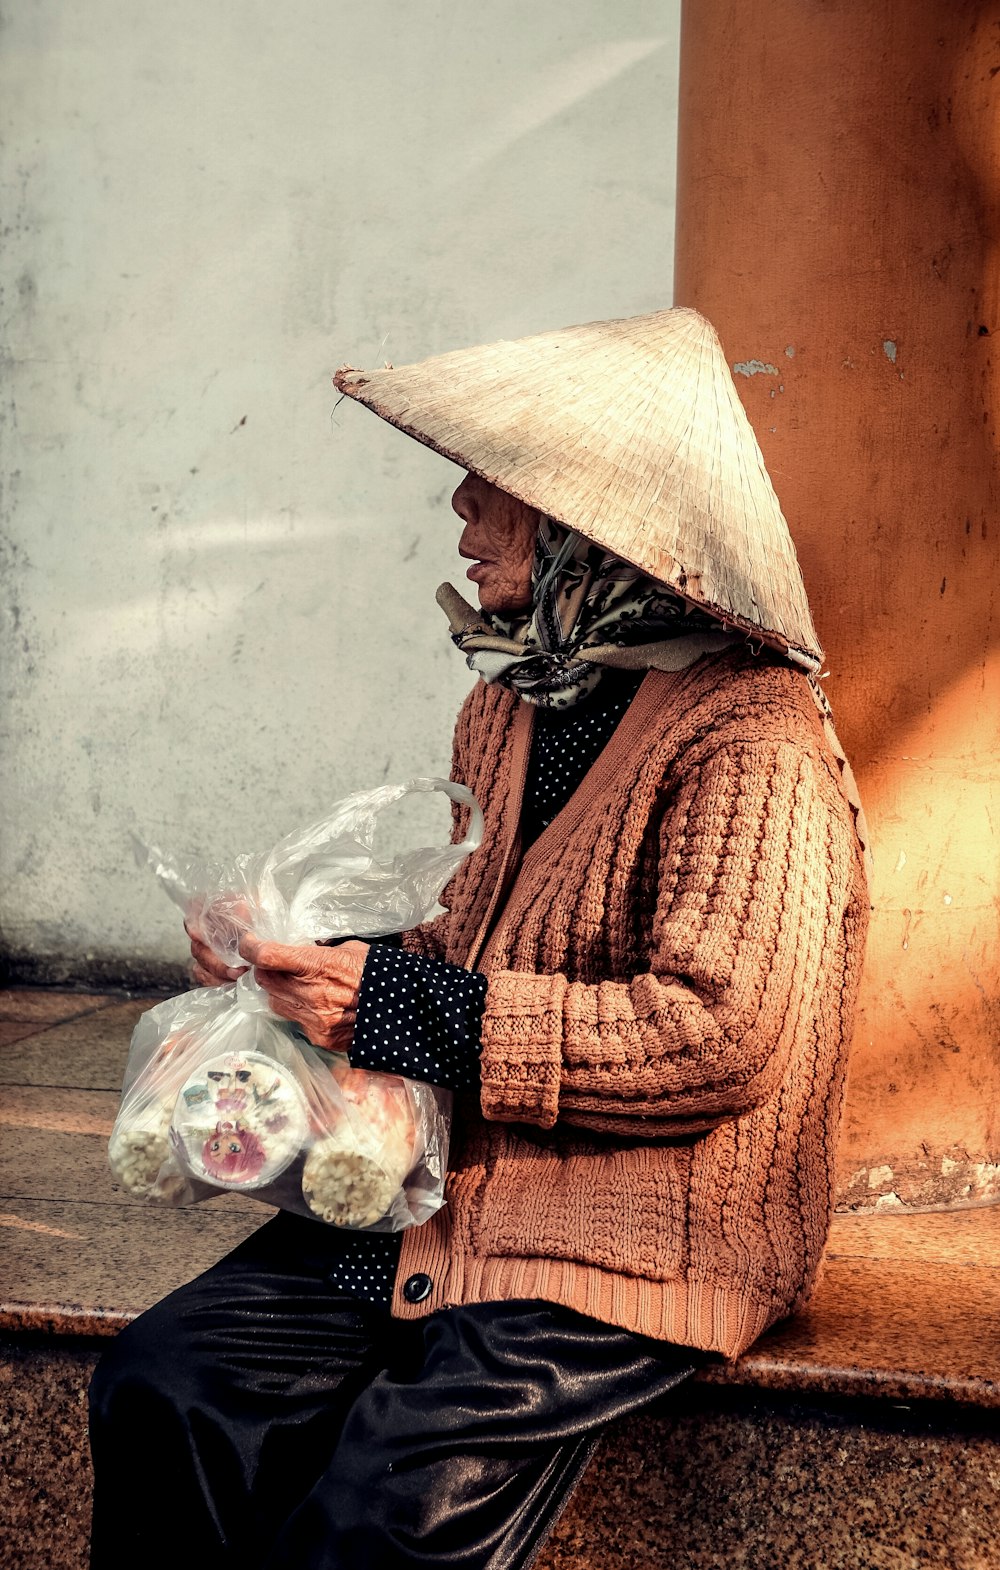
(209,961)
(297,959)
(313,986)
(308,961)
(330,992)
(206,958)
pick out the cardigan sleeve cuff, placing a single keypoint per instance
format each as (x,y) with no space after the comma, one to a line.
(522,1048)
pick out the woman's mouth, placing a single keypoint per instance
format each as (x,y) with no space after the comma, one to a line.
(476,571)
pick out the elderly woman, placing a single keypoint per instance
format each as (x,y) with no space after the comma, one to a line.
(641,988)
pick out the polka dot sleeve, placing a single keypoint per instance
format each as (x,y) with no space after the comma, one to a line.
(419,1017)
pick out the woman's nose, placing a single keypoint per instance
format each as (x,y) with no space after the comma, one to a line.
(464,502)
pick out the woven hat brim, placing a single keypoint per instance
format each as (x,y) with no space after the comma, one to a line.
(632,433)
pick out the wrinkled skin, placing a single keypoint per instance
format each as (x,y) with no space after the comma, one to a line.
(499,537)
(207,970)
(315,987)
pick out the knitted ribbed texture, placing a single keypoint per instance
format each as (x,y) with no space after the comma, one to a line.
(672,981)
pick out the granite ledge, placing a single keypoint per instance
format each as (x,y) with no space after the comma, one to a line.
(62,1321)
(916,1321)
(70,1322)
(890,1384)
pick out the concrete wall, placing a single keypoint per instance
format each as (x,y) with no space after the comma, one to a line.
(218,587)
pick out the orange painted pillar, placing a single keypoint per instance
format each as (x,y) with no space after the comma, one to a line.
(839,221)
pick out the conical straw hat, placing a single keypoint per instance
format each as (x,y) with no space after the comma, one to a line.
(630,432)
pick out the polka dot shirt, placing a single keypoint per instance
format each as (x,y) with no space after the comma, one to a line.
(421,1017)
(564,745)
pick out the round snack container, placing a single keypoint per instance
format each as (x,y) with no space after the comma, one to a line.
(356,1169)
(239,1121)
(142,1159)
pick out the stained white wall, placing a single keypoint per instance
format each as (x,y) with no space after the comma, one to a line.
(218,587)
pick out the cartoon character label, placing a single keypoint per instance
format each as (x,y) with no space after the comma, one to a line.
(239,1120)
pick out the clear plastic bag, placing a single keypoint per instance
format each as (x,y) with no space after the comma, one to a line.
(221,1094)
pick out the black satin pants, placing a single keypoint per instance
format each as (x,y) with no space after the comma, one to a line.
(258,1418)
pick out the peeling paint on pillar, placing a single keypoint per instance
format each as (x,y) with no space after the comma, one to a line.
(952,1180)
(754,368)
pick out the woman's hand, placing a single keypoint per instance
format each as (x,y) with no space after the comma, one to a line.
(207,969)
(314,987)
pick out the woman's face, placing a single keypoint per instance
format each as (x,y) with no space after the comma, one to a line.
(499,538)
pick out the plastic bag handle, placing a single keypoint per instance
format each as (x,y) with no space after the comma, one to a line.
(477,825)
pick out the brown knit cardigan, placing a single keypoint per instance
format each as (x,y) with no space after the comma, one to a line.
(672,971)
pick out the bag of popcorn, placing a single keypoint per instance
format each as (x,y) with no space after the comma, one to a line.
(221,1094)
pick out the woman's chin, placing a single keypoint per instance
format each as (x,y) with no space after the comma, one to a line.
(502,605)
(497,598)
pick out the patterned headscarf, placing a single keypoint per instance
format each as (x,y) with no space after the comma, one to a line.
(591,611)
(583,598)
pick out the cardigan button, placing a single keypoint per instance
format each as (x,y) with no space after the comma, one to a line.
(417,1288)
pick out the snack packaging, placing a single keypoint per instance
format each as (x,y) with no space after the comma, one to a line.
(220,1094)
